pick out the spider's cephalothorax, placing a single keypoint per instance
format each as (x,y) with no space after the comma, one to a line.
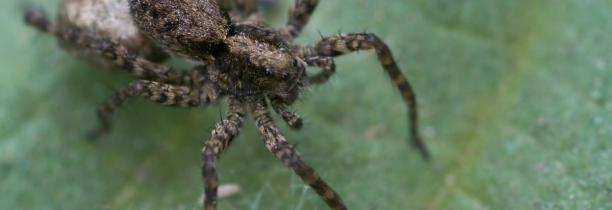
(254,61)
(238,57)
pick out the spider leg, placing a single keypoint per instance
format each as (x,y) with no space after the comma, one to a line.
(276,143)
(38,19)
(299,16)
(291,118)
(166,94)
(328,68)
(220,138)
(341,44)
(132,63)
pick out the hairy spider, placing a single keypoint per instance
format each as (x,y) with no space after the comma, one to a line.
(239,58)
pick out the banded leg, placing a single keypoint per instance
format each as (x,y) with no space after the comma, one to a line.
(276,143)
(299,16)
(158,92)
(220,138)
(328,68)
(135,64)
(291,118)
(115,53)
(345,43)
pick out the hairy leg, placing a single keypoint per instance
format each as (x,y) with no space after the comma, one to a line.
(291,118)
(299,16)
(277,144)
(158,92)
(220,138)
(328,68)
(111,51)
(341,44)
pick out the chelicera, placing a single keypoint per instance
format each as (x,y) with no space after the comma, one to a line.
(238,58)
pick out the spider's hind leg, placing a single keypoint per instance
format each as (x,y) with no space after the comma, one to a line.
(38,19)
(341,44)
(109,50)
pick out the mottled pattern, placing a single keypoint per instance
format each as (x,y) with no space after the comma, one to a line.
(185,27)
(220,138)
(253,65)
(298,17)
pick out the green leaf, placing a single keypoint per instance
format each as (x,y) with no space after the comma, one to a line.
(515,100)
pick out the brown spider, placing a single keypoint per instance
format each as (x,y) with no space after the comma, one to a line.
(239,57)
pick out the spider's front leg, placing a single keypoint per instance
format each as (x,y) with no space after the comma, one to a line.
(166,94)
(276,143)
(328,68)
(341,44)
(220,138)
(291,118)
(299,16)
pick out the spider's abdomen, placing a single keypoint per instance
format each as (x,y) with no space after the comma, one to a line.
(192,28)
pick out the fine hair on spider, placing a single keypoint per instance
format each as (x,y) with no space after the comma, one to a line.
(238,58)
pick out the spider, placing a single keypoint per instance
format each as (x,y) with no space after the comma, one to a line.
(238,58)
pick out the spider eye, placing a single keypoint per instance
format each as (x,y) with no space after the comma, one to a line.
(268,72)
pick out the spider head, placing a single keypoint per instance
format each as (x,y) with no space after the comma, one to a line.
(283,79)
(264,68)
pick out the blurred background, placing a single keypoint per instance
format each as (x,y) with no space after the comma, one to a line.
(515,103)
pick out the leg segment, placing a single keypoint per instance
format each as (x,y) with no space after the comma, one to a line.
(277,144)
(37,19)
(113,52)
(345,43)
(299,17)
(158,92)
(328,68)
(220,138)
(291,118)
